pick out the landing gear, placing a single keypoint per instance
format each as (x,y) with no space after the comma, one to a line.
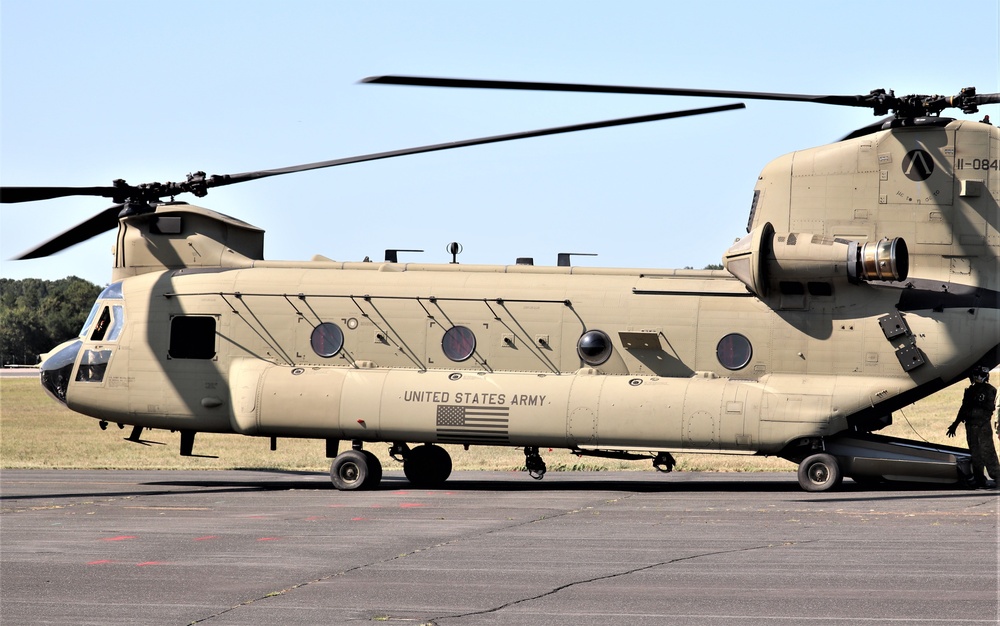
(664,462)
(533,463)
(820,472)
(355,469)
(427,465)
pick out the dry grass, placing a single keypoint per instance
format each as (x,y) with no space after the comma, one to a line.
(37,432)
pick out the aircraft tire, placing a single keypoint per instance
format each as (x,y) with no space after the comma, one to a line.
(350,470)
(374,471)
(427,466)
(820,472)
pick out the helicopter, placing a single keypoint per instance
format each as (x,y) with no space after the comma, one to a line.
(866,279)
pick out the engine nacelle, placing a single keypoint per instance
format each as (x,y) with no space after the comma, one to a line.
(764,258)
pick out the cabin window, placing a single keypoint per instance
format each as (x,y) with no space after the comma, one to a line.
(458,343)
(192,337)
(734,351)
(594,347)
(327,339)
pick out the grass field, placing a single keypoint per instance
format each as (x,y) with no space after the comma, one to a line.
(37,432)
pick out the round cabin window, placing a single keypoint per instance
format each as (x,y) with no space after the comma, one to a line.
(734,351)
(327,339)
(458,343)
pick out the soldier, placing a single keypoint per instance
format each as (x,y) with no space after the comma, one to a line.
(976,412)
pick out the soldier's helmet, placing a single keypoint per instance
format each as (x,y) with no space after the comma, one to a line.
(980,374)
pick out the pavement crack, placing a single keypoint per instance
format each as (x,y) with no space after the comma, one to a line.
(627,572)
(991,500)
(281,592)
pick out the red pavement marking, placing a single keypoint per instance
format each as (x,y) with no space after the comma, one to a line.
(119,538)
(101,562)
(358,519)
(145,563)
(410,505)
(267,539)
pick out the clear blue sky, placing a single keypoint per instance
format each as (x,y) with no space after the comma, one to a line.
(149,91)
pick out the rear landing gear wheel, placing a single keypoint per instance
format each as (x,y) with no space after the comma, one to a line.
(351,470)
(427,466)
(820,472)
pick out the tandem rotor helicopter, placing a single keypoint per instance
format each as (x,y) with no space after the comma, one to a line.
(867,279)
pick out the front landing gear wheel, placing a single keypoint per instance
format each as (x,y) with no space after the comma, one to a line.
(820,472)
(374,471)
(352,470)
(427,466)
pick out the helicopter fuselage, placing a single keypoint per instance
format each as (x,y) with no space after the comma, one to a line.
(868,280)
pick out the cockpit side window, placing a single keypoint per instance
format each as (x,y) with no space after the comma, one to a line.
(111,292)
(101,328)
(117,321)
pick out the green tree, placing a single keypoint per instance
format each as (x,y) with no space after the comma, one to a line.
(36,315)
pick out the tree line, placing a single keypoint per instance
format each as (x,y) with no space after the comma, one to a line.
(36,315)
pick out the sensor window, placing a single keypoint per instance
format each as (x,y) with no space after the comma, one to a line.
(594,347)
(458,343)
(327,339)
(734,351)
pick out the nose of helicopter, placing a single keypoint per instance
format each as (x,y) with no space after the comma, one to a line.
(57,368)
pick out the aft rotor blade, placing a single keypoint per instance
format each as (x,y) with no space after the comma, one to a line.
(30,194)
(218,181)
(428,81)
(102,222)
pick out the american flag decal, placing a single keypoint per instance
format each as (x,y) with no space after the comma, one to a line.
(473,424)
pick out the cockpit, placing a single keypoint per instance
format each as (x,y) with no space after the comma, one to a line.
(100,333)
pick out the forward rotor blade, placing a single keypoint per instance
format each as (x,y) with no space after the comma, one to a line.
(218,181)
(101,223)
(108,219)
(30,194)
(427,81)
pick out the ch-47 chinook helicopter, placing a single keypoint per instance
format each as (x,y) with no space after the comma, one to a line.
(868,279)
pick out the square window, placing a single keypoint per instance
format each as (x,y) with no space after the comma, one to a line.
(192,337)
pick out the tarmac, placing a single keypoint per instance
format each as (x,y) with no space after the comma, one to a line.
(265,547)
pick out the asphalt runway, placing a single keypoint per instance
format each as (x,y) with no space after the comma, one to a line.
(259,547)
(19,372)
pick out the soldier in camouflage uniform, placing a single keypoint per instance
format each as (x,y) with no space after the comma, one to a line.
(976,412)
